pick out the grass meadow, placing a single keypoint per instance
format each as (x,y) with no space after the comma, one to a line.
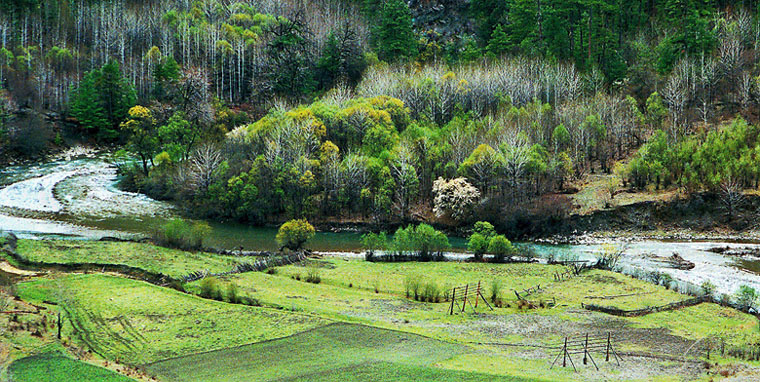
(353,322)
(56,367)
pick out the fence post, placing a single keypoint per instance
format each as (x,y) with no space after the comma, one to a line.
(607,357)
(585,351)
(564,354)
(477,294)
(453,296)
(464,302)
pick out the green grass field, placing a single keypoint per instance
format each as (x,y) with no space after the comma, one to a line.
(171,262)
(338,352)
(136,322)
(357,324)
(390,277)
(347,293)
(55,367)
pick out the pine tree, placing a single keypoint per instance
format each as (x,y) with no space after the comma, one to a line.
(328,66)
(116,96)
(394,37)
(165,77)
(342,59)
(489,14)
(499,42)
(102,101)
(288,67)
(86,106)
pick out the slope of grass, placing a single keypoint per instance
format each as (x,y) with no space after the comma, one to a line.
(386,371)
(55,367)
(182,337)
(391,277)
(347,292)
(171,262)
(593,194)
(136,322)
(338,352)
(610,289)
(704,321)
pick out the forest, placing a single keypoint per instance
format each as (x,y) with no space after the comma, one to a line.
(387,111)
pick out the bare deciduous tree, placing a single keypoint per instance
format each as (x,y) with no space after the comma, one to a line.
(731,196)
(203,163)
(674,93)
(730,50)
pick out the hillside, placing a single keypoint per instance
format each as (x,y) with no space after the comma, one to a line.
(387,112)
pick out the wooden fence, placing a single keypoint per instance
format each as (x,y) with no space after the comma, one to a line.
(641,312)
(256,266)
(586,345)
(527,292)
(574,268)
(466,294)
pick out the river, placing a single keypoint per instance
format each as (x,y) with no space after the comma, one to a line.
(78,199)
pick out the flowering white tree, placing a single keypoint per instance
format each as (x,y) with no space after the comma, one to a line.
(454,197)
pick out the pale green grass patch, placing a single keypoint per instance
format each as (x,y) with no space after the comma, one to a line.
(171,262)
(137,322)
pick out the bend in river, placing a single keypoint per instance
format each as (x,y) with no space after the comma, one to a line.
(79,199)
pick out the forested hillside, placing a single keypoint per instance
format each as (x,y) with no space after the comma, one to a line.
(384,110)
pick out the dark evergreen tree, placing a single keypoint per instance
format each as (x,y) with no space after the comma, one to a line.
(488,15)
(116,97)
(394,37)
(342,59)
(288,68)
(499,43)
(102,100)
(165,77)
(86,106)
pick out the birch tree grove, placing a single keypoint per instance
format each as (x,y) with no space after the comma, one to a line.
(387,111)
(224,38)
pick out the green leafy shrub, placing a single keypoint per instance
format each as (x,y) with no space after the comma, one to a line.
(182,234)
(422,242)
(210,288)
(312,274)
(501,248)
(746,297)
(708,288)
(430,292)
(410,285)
(482,233)
(233,294)
(495,291)
(294,234)
(373,242)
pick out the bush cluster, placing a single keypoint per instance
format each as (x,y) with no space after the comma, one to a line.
(424,291)
(413,243)
(211,288)
(179,233)
(313,275)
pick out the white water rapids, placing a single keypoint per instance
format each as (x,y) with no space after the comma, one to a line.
(35,194)
(75,197)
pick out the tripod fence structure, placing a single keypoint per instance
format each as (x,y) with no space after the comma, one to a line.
(527,292)
(586,345)
(467,294)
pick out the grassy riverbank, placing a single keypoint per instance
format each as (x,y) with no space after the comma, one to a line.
(357,322)
(151,258)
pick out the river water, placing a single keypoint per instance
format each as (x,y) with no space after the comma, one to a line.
(78,199)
